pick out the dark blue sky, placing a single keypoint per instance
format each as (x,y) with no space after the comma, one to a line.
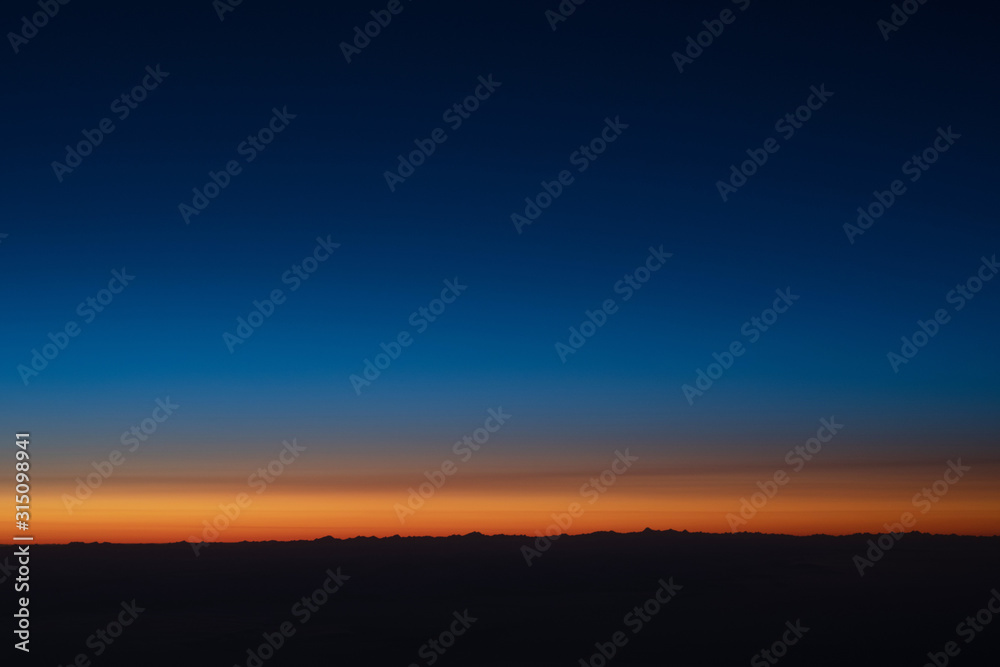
(655,185)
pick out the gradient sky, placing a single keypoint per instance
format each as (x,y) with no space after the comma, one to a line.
(495,345)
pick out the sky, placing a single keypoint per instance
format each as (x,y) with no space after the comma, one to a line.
(282,195)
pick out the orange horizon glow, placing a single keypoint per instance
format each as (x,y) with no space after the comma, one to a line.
(155,510)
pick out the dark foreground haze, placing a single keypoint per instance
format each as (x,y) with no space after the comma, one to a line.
(473,601)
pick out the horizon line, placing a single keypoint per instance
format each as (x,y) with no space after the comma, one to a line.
(479,534)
